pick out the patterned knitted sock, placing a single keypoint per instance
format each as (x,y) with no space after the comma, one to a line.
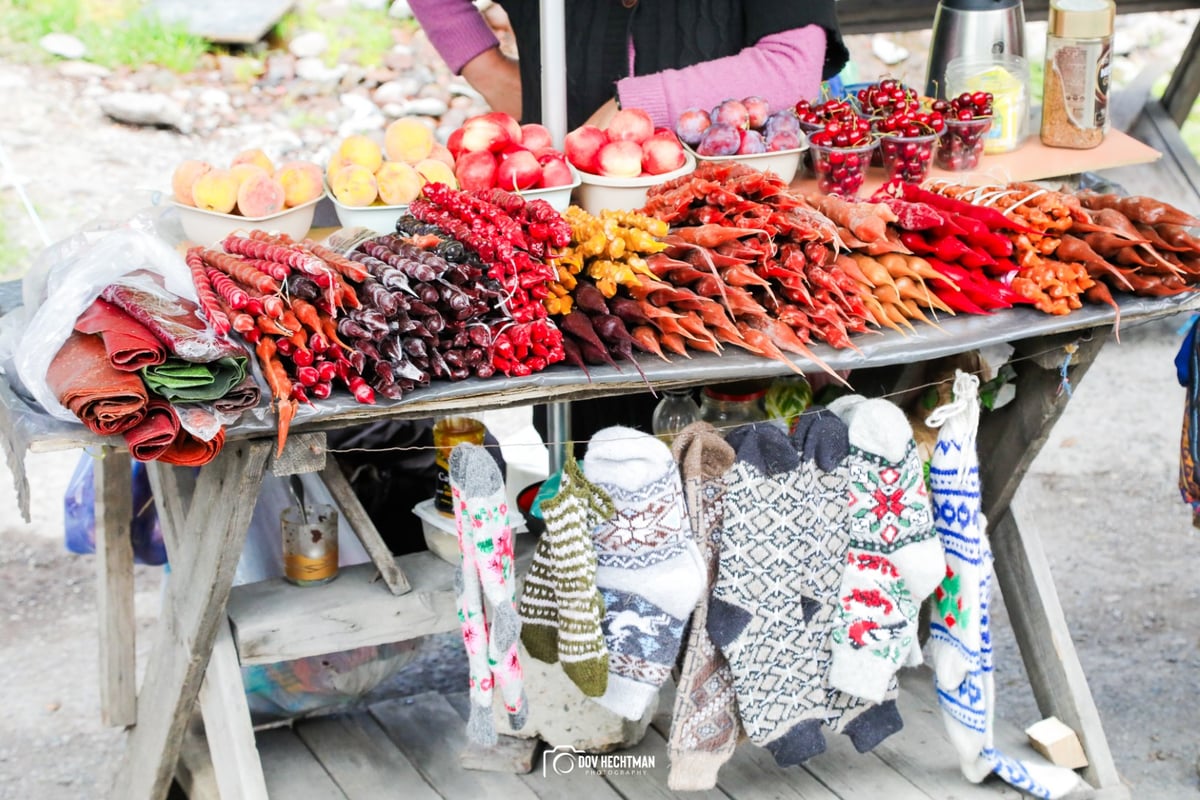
(960,640)
(784,537)
(704,725)
(485,539)
(648,567)
(561,607)
(894,559)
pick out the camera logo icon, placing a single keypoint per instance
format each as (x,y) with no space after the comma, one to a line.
(560,760)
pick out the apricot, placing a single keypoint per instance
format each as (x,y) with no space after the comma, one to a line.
(260,195)
(354,186)
(408,139)
(442,153)
(184,177)
(256,157)
(399,183)
(359,150)
(434,171)
(241,172)
(215,190)
(301,181)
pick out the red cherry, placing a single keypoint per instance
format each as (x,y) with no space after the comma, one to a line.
(980,99)
(965,114)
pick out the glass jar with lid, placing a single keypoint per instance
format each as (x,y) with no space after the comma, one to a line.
(727,406)
(674,412)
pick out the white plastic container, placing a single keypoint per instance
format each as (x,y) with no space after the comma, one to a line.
(441,537)
(783,163)
(598,192)
(559,197)
(381,219)
(208,228)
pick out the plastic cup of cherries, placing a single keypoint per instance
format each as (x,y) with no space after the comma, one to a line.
(968,119)
(816,117)
(907,140)
(885,99)
(841,155)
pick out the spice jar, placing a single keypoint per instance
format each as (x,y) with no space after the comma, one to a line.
(674,412)
(728,406)
(1076,78)
(449,432)
(310,544)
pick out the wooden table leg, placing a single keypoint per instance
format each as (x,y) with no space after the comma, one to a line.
(194,607)
(114,588)
(364,528)
(227,726)
(1009,440)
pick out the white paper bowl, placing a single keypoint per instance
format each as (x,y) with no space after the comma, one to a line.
(208,228)
(598,192)
(783,163)
(441,537)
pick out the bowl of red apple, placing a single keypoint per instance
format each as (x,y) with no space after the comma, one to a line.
(495,151)
(747,132)
(619,163)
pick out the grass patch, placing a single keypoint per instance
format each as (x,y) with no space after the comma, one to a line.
(116,32)
(360,32)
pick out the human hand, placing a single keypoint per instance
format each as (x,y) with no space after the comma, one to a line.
(497,78)
(604,114)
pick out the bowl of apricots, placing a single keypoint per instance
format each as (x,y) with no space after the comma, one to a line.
(252,192)
(371,184)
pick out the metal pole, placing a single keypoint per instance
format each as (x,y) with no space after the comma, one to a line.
(554,116)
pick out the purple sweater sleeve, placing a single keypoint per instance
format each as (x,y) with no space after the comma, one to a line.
(781,68)
(455,28)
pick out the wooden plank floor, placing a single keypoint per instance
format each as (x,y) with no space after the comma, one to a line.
(411,746)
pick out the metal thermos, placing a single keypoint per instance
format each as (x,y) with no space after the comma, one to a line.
(972,28)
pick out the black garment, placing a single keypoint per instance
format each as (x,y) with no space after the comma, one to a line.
(667,34)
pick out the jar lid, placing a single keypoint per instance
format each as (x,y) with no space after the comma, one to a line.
(727,397)
(1081,19)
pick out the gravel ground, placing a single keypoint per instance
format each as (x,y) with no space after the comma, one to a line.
(1102,494)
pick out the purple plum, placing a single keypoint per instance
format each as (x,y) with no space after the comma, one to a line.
(782,140)
(721,139)
(758,110)
(785,120)
(691,126)
(752,143)
(732,112)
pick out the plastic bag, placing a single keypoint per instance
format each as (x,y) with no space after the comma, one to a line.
(74,273)
(79,514)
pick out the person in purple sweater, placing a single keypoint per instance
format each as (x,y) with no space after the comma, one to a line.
(663,56)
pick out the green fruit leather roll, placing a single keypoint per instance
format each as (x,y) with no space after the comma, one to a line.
(179,380)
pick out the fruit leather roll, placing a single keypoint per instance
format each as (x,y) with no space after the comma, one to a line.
(189,451)
(105,399)
(241,397)
(188,382)
(151,437)
(129,343)
(176,321)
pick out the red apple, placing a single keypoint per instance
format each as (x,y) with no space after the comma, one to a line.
(535,136)
(621,159)
(544,154)
(454,143)
(661,153)
(555,172)
(630,125)
(519,171)
(481,134)
(582,147)
(505,121)
(475,170)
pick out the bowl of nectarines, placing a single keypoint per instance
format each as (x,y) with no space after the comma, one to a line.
(251,193)
(618,165)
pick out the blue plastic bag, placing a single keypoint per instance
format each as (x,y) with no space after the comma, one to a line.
(79,514)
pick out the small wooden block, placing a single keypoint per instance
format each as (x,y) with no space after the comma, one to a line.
(1057,742)
(304,452)
(509,754)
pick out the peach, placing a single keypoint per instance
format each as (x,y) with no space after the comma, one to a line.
(621,159)
(483,133)
(476,170)
(510,125)
(454,142)
(435,171)
(408,139)
(301,181)
(442,153)
(661,153)
(535,136)
(582,147)
(399,183)
(361,150)
(630,125)
(260,195)
(245,170)
(354,185)
(256,157)
(518,171)
(555,172)
(215,190)
(184,178)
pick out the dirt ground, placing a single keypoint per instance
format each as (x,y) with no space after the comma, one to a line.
(1102,495)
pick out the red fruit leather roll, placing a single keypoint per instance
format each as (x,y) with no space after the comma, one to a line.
(105,399)
(129,343)
(188,451)
(176,321)
(151,437)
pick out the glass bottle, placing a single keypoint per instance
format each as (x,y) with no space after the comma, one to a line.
(674,412)
(447,433)
(1077,73)
(726,410)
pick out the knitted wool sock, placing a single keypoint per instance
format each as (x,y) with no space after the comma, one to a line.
(485,540)
(648,567)
(960,641)
(704,725)
(561,608)
(894,559)
(782,546)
